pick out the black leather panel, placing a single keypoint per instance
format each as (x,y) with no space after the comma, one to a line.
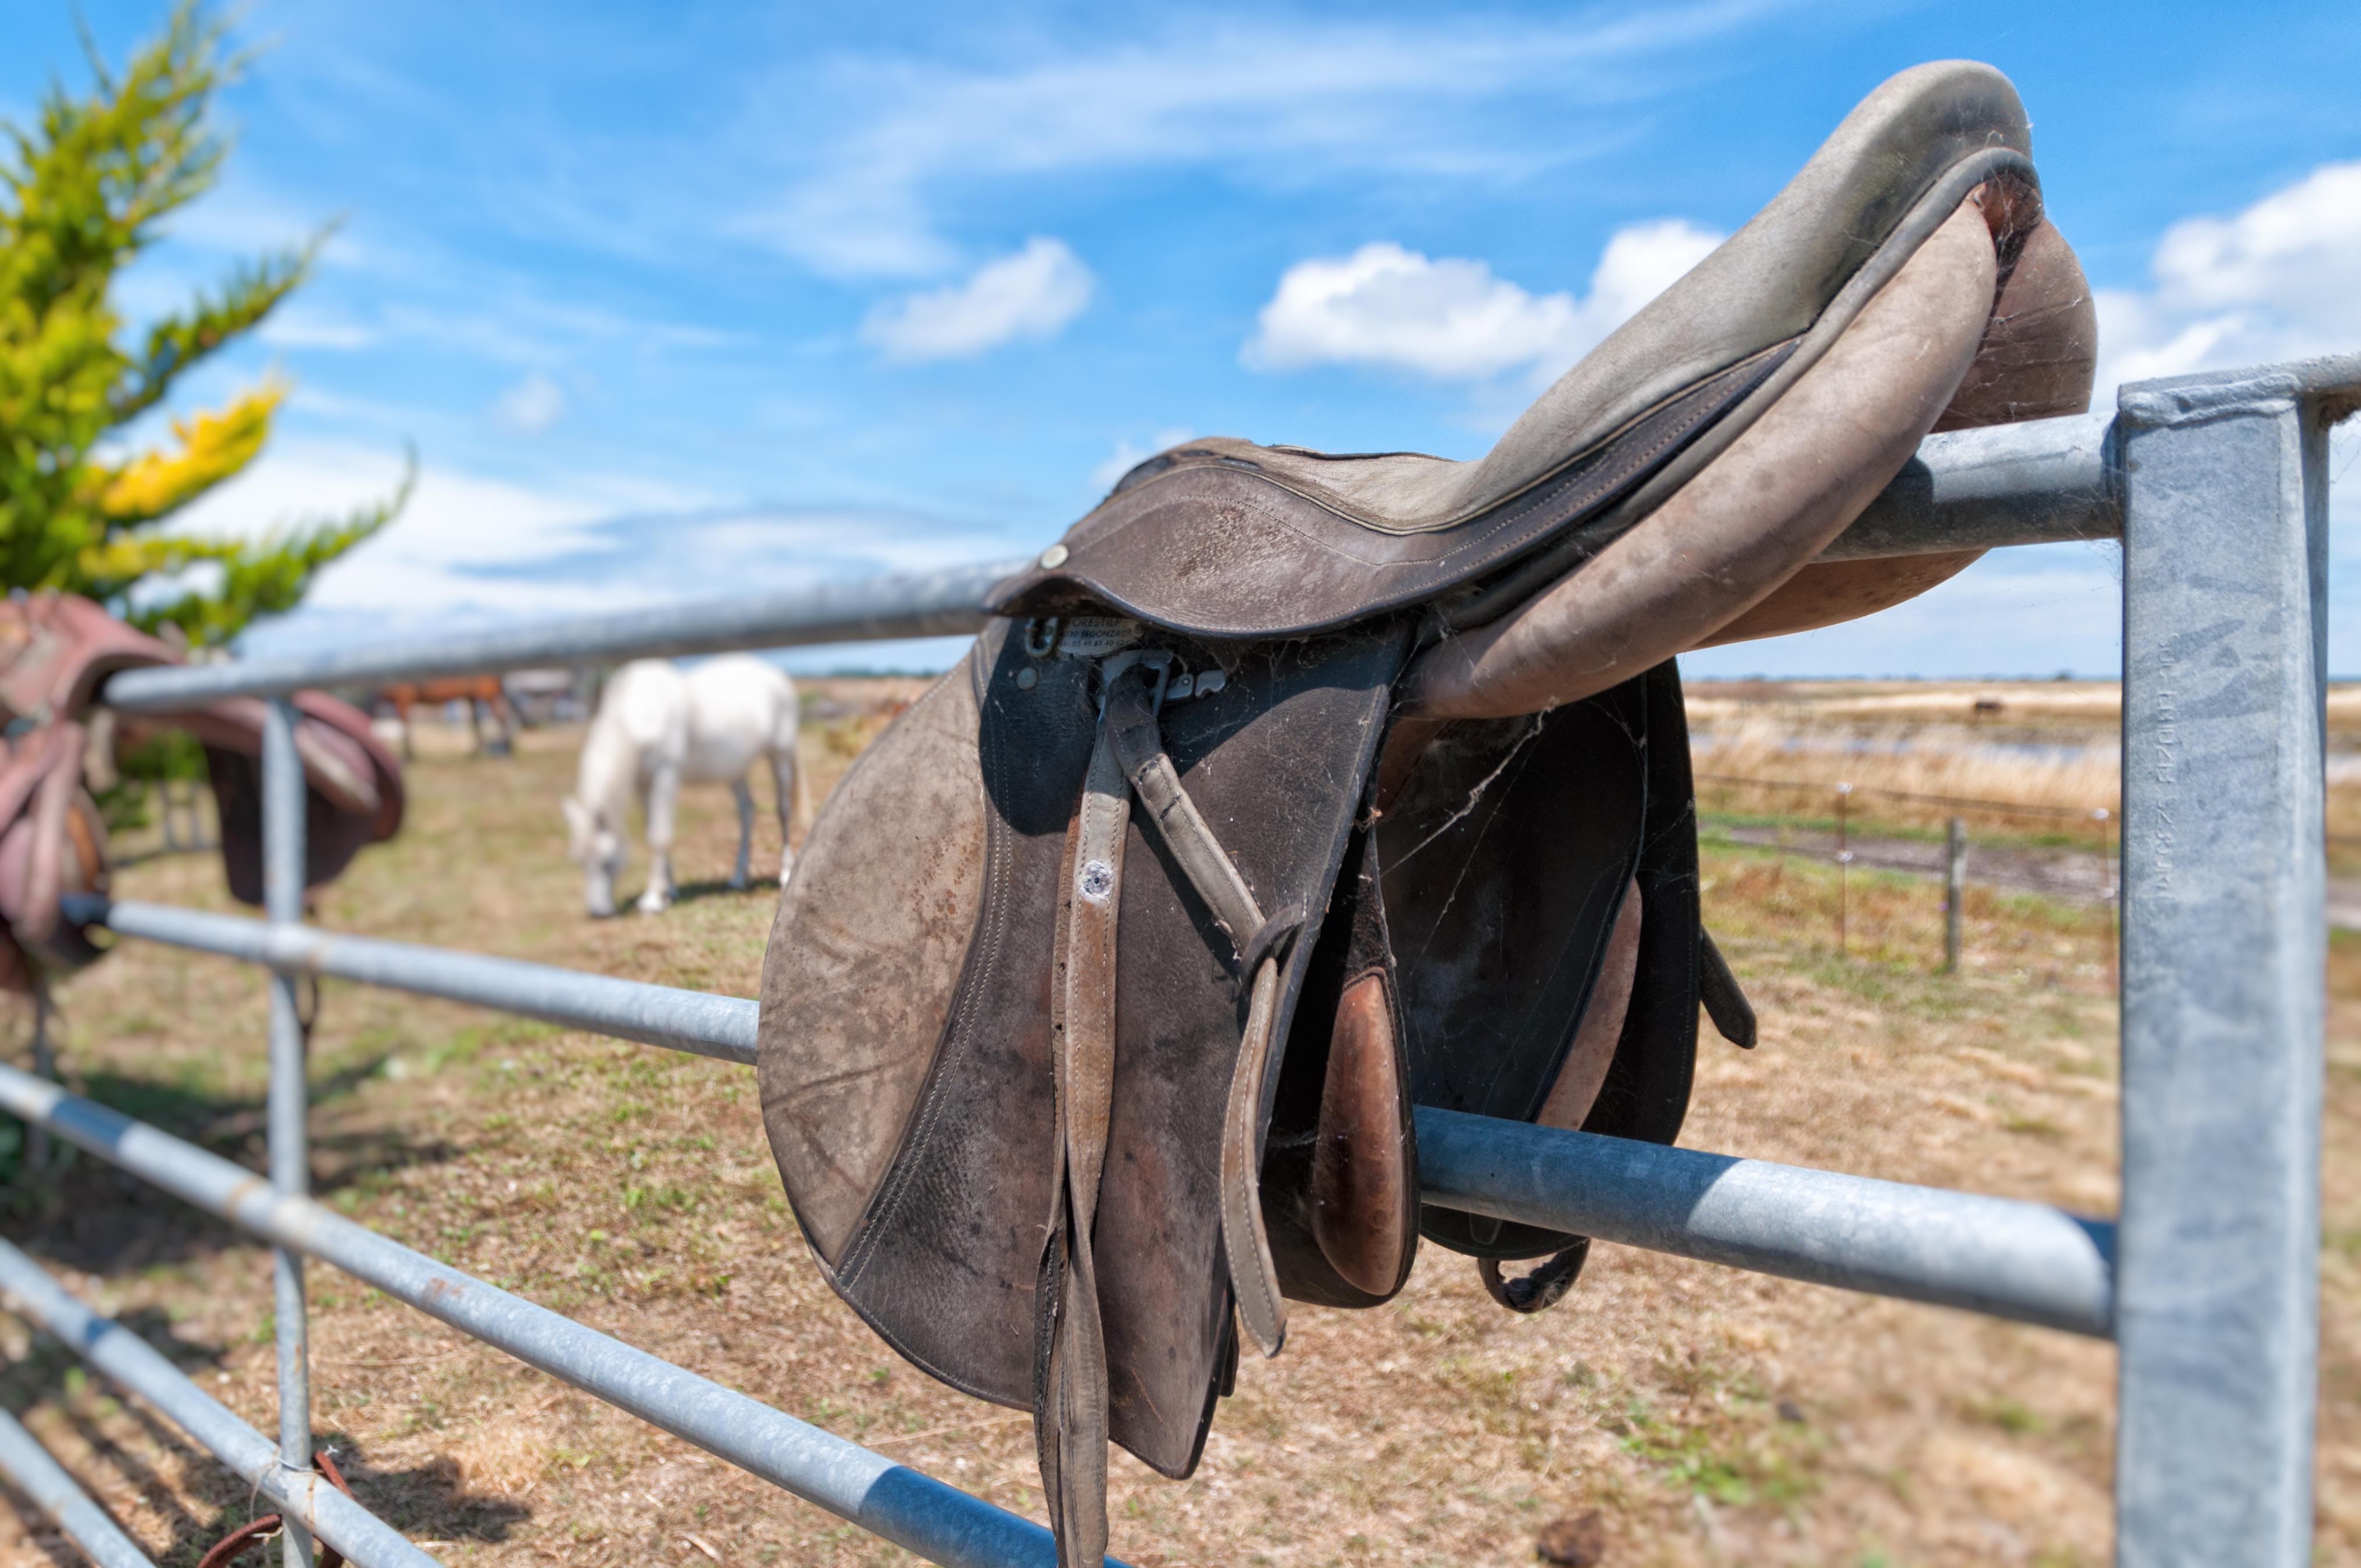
(1506,861)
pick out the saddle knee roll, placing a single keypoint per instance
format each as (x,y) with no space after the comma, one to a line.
(1340,1168)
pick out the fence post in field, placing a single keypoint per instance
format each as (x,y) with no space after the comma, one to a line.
(2225,957)
(45,1065)
(1844,860)
(1955,891)
(286,1111)
(2108,892)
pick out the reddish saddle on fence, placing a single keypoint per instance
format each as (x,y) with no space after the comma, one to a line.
(1292,790)
(56,651)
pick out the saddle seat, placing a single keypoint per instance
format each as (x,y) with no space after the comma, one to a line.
(1225,538)
(1288,791)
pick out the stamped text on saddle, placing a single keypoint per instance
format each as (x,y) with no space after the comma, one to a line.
(1288,791)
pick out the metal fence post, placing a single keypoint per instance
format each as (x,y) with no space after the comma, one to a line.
(45,1063)
(289,1104)
(1844,864)
(2224,967)
(1955,890)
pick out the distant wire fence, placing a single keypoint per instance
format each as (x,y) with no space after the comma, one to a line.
(2075,858)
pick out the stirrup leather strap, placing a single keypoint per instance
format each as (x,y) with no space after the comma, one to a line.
(1071,1383)
(1130,721)
(1069,1395)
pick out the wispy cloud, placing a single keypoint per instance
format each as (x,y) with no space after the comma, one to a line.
(1030,295)
(297,325)
(530,407)
(1277,101)
(1453,319)
(2272,282)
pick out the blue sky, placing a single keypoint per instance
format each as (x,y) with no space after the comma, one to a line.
(672,299)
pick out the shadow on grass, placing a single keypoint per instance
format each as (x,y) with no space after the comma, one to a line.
(92,1217)
(690,891)
(428,1500)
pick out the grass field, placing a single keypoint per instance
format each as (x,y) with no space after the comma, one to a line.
(1707,1417)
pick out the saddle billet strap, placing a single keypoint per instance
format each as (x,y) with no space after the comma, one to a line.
(1131,726)
(1725,1000)
(1073,1387)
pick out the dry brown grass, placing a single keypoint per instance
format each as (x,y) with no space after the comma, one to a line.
(2052,747)
(1711,1417)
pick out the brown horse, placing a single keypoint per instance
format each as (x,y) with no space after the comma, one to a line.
(479,691)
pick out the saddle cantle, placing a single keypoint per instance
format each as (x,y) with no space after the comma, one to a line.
(1288,791)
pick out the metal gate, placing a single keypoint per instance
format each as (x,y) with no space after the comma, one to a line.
(2217,485)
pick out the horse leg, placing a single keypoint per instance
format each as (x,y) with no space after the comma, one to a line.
(664,793)
(745,799)
(505,724)
(786,787)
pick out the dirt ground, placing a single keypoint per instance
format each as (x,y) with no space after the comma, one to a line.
(1706,1416)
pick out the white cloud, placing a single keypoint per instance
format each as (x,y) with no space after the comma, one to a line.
(1275,100)
(1451,318)
(530,407)
(474,550)
(1032,294)
(2274,281)
(1126,457)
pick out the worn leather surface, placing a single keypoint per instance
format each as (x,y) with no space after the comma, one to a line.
(2038,355)
(880,912)
(1340,1170)
(56,653)
(945,1257)
(1733,533)
(353,794)
(1306,540)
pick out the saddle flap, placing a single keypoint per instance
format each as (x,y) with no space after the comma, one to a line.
(944,1254)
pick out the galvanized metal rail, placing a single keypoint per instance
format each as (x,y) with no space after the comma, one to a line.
(134,1364)
(2218,486)
(30,1468)
(938,1522)
(2011,1259)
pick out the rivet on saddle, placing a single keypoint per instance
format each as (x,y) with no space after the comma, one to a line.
(56,651)
(1292,790)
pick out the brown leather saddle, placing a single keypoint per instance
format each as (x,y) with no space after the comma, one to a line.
(56,651)
(1290,790)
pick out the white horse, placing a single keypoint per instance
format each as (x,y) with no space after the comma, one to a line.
(659,727)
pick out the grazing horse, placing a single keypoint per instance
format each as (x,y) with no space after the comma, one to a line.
(658,727)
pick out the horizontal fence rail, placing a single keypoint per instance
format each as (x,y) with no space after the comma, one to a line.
(930,604)
(30,1468)
(1996,1256)
(912,1509)
(133,1364)
(2011,1259)
(2040,482)
(692,1021)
